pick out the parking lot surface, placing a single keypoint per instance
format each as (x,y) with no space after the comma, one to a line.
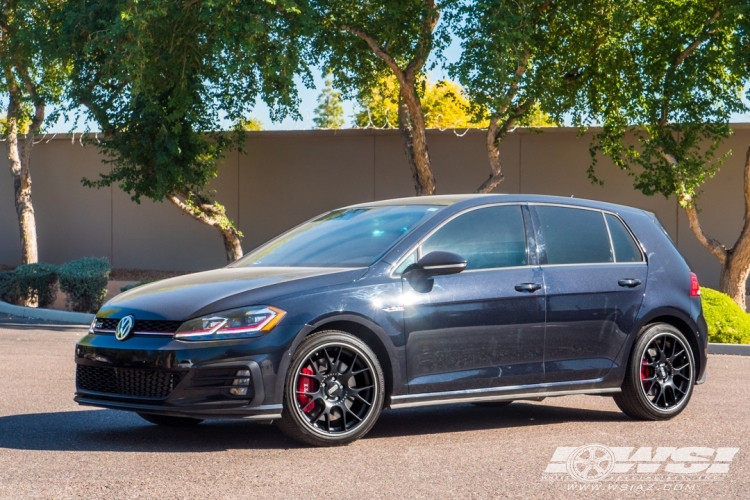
(52,448)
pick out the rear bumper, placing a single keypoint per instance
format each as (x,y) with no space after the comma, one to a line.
(702,348)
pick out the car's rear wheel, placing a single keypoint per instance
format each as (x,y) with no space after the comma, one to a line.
(170,421)
(334,390)
(660,375)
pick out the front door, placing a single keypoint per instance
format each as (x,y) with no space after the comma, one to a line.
(483,327)
(595,278)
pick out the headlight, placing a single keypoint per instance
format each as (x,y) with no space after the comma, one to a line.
(235,324)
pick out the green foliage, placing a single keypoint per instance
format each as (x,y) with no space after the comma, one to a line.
(28,35)
(158,77)
(444,103)
(727,322)
(8,287)
(134,285)
(85,283)
(664,87)
(396,25)
(329,113)
(37,282)
(523,60)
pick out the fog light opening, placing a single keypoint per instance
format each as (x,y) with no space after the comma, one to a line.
(241,383)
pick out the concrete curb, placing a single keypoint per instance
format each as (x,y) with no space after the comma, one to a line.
(735,349)
(74,318)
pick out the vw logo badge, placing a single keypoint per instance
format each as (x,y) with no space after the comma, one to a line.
(124,327)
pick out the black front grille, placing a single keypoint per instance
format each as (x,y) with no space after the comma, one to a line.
(127,382)
(154,326)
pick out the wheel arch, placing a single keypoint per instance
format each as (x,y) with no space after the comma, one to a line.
(683,323)
(368,332)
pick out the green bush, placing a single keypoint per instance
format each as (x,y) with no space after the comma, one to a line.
(727,322)
(85,282)
(134,285)
(37,282)
(8,287)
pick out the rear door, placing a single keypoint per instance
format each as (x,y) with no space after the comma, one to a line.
(483,327)
(595,277)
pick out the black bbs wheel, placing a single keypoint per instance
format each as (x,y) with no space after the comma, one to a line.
(169,421)
(334,390)
(660,375)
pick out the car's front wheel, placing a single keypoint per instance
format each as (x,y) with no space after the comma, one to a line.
(660,375)
(334,390)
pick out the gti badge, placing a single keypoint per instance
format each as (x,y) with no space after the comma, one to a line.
(124,327)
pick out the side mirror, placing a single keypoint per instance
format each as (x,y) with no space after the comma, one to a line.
(433,264)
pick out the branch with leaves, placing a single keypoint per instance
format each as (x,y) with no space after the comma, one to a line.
(361,43)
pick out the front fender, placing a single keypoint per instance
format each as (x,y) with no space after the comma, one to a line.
(392,351)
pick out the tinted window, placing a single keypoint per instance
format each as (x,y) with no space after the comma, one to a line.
(626,250)
(351,237)
(487,238)
(574,236)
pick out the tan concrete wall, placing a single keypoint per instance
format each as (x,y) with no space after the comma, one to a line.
(288,177)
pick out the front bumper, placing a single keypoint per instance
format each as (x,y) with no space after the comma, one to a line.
(237,379)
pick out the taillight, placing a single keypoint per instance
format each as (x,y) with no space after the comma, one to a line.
(695,288)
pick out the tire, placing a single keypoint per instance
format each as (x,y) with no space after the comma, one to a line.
(170,421)
(334,390)
(492,404)
(660,375)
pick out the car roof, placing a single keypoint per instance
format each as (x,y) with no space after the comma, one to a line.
(469,200)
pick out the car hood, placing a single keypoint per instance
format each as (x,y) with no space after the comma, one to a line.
(192,295)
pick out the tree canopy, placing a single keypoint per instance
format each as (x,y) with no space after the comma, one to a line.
(523,60)
(31,79)
(444,103)
(361,43)
(158,77)
(664,89)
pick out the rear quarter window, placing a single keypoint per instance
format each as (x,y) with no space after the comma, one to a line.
(626,249)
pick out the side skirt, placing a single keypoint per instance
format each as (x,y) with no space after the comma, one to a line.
(509,393)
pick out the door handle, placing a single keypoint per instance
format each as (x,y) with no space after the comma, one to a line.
(528,287)
(629,283)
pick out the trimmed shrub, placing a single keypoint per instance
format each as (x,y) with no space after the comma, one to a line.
(85,282)
(8,287)
(727,322)
(134,285)
(37,282)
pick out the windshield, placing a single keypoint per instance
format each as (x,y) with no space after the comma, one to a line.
(349,237)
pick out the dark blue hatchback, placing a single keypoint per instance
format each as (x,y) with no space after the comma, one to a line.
(481,299)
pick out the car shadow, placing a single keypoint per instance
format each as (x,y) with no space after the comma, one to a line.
(461,418)
(119,431)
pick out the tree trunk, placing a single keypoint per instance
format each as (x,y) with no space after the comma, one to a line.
(412,126)
(18,160)
(212,215)
(735,262)
(734,278)
(493,154)
(232,244)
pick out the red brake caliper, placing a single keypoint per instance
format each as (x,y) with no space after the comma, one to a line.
(645,372)
(305,384)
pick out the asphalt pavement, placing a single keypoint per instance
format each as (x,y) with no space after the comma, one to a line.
(52,448)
